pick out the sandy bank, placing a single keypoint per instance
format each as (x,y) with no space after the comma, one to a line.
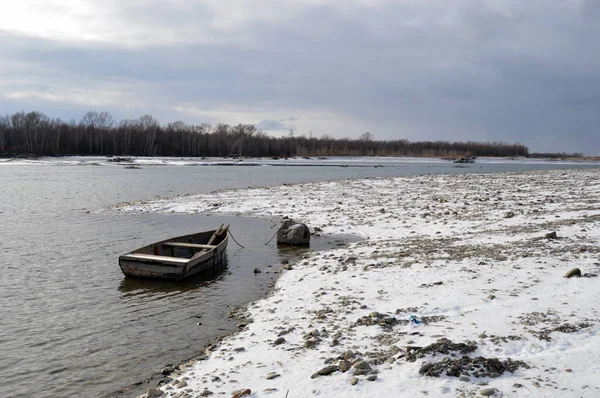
(466,254)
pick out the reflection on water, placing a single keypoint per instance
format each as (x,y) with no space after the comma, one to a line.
(137,286)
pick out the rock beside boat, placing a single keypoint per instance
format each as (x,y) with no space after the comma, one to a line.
(293,233)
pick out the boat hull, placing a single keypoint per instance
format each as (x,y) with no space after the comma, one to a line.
(142,263)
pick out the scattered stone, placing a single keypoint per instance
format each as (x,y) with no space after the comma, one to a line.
(239,349)
(206,393)
(361,367)
(371,377)
(325,371)
(509,214)
(181,384)
(375,318)
(287,267)
(257,271)
(544,334)
(573,272)
(354,381)
(464,378)
(310,343)
(551,235)
(241,393)
(441,346)
(154,392)
(280,340)
(167,370)
(517,385)
(349,355)
(272,375)
(314,333)
(477,367)
(286,331)
(491,297)
(487,392)
(344,365)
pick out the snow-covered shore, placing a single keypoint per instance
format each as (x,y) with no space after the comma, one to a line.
(467,254)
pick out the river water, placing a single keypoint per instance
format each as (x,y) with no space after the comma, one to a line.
(72,325)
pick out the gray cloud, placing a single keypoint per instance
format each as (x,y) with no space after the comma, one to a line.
(424,70)
(276,124)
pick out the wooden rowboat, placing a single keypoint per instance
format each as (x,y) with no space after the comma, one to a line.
(177,258)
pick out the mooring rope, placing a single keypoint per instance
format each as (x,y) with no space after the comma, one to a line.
(230,234)
(269,241)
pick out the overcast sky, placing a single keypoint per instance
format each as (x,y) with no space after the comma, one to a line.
(523,71)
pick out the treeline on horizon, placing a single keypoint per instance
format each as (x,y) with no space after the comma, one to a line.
(97,133)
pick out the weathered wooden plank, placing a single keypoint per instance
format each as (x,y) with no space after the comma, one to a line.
(143,256)
(191,245)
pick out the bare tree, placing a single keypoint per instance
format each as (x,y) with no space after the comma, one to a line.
(367,136)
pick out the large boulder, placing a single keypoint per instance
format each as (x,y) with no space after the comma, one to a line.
(293,233)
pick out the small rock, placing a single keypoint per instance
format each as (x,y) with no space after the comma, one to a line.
(361,367)
(241,393)
(344,365)
(360,364)
(181,384)
(310,343)
(349,355)
(272,375)
(167,370)
(287,267)
(491,297)
(551,235)
(509,214)
(517,385)
(280,340)
(239,349)
(487,392)
(354,381)
(325,371)
(154,392)
(372,377)
(573,272)
(257,271)
(464,378)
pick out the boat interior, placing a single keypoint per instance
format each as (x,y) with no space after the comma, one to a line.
(183,248)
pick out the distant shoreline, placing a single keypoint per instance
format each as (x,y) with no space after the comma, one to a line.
(128,158)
